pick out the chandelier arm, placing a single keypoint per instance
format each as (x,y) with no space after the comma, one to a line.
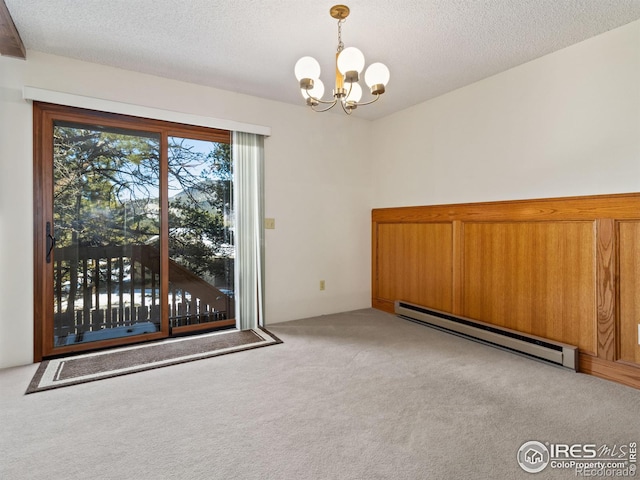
(319,100)
(369,102)
(333,104)
(349,92)
(326,102)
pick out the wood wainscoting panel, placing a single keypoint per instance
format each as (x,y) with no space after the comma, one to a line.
(414,263)
(629,291)
(567,269)
(534,277)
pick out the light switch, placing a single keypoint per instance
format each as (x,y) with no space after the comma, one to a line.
(270,223)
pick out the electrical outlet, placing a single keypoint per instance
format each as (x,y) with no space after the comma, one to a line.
(321,284)
(269,223)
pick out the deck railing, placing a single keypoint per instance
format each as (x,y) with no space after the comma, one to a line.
(98,288)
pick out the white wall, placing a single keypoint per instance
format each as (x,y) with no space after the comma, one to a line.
(564,124)
(318,188)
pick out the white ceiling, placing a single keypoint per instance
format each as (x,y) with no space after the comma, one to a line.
(251,46)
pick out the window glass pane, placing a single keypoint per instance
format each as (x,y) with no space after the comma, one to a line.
(201,229)
(107,226)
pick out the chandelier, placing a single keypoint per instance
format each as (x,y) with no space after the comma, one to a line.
(349,65)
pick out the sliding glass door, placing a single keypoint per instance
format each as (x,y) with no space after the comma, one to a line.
(106,225)
(201,227)
(134,230)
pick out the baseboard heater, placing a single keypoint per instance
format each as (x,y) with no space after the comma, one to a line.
(530,345)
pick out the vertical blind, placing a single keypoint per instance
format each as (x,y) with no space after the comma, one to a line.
(248,160)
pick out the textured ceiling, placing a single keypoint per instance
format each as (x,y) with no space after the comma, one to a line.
(251,46)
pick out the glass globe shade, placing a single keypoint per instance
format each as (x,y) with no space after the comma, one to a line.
(316,92)
(355,94)
(350,59)
(376,74)
(307,67)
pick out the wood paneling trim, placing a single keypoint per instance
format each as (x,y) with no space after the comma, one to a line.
(628,291)
(374,262)
(619,206)
(384,305)
(457,283)
(606,288)
(617,371)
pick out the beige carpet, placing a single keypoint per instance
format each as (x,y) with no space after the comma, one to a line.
(359,395)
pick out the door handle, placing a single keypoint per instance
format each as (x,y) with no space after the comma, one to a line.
(51,242)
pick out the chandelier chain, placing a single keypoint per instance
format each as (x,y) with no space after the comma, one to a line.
(340,44)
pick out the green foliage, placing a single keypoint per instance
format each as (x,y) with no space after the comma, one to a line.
(200,212)
(106,193)
(104,184)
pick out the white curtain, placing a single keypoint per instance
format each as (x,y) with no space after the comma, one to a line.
(248,164)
